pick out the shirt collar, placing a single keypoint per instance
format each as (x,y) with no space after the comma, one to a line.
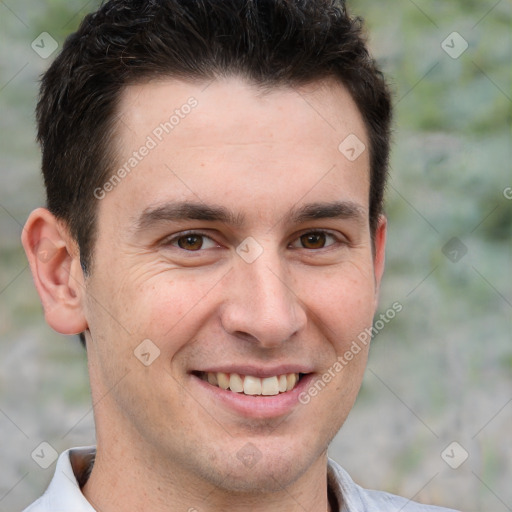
(343,489)
(63,493)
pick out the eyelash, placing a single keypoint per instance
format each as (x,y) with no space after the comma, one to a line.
(174,239)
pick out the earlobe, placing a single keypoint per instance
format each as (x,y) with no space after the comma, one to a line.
(55,264)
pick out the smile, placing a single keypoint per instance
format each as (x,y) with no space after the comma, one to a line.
(251,385)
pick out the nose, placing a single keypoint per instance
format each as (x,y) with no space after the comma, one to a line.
(261,305)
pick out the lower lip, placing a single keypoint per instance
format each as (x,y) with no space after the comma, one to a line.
(255,406)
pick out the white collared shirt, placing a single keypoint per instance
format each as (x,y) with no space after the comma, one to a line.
(64,494)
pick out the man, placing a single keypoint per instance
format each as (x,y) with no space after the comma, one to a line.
(214,229)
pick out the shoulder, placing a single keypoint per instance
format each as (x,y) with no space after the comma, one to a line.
(356,499)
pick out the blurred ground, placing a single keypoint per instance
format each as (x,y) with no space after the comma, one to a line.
(440,371)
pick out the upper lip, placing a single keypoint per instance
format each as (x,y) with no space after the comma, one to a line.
(258,371)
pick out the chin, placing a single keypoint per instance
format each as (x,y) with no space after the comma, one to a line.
(265,476)
(261,466)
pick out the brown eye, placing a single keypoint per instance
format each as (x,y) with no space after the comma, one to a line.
(190,242)
(313,240)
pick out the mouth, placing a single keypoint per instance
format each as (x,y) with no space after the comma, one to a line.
(251,385)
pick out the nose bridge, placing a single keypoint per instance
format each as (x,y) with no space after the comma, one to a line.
(263,304)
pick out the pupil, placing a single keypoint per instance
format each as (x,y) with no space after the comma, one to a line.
(313,240)
(190,242)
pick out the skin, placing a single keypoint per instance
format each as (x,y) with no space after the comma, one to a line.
(164,443)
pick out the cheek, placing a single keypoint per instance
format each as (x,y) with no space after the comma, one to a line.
(167,305)
(342,301)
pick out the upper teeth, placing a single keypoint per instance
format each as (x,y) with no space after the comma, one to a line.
(250,385)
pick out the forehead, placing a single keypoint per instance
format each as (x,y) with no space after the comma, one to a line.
(198,140)
(229,103)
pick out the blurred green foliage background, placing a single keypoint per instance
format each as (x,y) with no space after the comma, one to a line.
(441,371)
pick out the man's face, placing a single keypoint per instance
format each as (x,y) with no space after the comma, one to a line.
(173,263)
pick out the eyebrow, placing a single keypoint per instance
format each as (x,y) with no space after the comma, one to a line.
(333,210)
(172,212)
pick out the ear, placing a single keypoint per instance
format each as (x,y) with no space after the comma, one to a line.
(380,254)
(55,264)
